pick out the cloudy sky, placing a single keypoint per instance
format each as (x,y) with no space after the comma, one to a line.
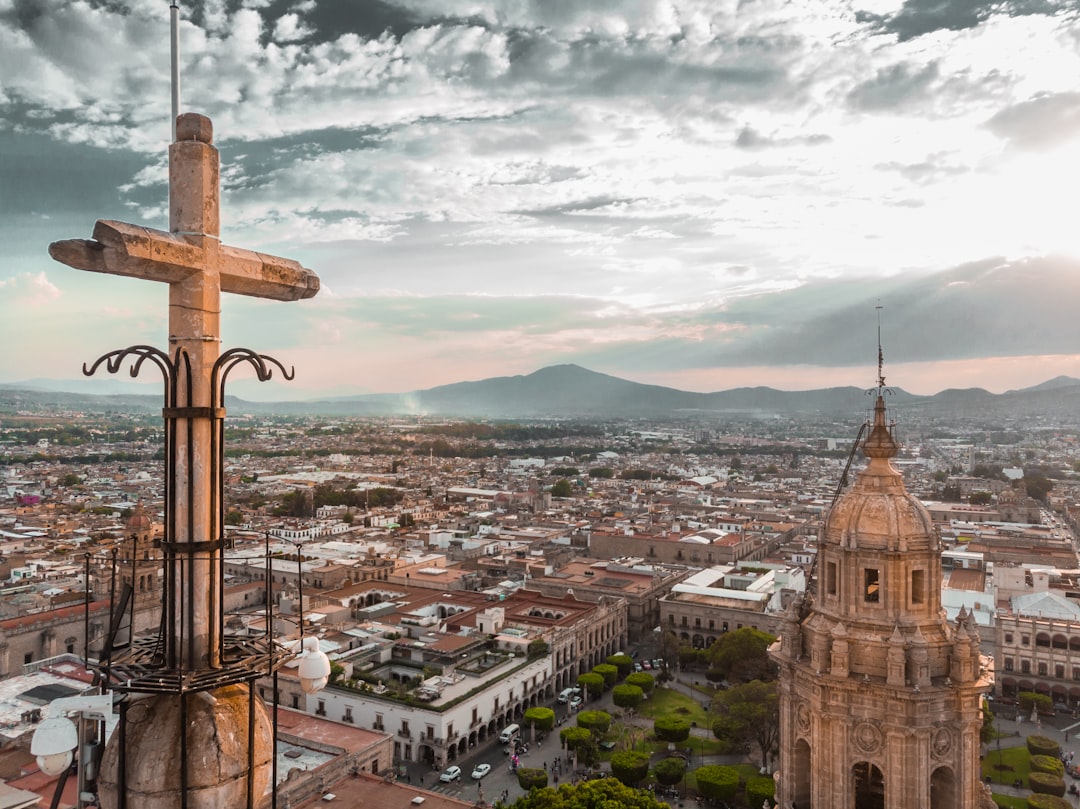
(697,193)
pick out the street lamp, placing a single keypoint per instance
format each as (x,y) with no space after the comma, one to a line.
(57,738)
(314,668)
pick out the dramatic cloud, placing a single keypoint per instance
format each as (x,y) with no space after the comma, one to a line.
(656,187)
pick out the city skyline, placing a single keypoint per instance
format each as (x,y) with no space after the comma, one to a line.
(698,195)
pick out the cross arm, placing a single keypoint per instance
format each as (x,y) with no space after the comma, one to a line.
(118,248)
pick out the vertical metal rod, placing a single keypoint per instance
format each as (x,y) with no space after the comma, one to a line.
(86,613)
(134,575)
(121,787)
(110,638)
(251,746)
(174,31)
(273,772)
(183,751)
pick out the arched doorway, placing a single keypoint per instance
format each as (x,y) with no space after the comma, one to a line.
(801,763)
(869,786)
(943,789)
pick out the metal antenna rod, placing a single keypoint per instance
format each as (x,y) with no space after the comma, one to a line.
(880,355)
(174,21)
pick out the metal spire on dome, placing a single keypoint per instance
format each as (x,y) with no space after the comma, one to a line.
(880,355)
(880,443)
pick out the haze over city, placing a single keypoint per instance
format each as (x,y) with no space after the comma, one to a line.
(703,195)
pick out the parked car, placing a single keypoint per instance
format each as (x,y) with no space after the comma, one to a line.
(480,770)
(647,665)
(575,702)
(452,773)
(637,667)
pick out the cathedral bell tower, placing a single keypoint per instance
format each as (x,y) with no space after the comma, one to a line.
(880,696)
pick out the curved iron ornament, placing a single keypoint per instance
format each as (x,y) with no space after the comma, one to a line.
(262,363)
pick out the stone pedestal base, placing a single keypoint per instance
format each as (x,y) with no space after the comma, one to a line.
(217,753)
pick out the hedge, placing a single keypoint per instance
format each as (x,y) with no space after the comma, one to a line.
(609,673)
(531,777)
(624,663)
(1048,764)
(630,767)
(1047,802)
(717,782)
(672,729)
(1046,783)
(1043,746)
(642,679)
(759,789)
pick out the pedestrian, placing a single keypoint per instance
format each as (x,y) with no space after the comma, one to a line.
(556,779)
(421,779)
(545,766)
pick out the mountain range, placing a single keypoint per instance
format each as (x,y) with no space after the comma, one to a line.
(570,391)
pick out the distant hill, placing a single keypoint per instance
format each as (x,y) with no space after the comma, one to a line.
(570,391)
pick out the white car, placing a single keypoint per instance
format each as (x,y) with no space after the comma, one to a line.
(480,770)
(452,773)
(575,702)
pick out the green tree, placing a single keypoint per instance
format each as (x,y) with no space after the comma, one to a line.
(624,663)
(233,517)
(669,771)
(749,713)
(538,648)
(70,479)
(980,498)
(539,718)
(530,778)
(672,729)
(581,743)
(742,655)
(627,696)
(601,793)
(630,767)
(609,673)
(593,683)
(717,782)
(669,646)
(642,679)
(562,488)
(760,789)
(602,472)
(1037,484)
(596,722)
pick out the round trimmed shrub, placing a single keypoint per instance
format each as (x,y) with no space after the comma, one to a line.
(642,679)
(592,682)
(531,777)
(1049,765)
(543,718)
(717,782)
(627,696)
(1046,783)
(670,771)
(624,663)
(575,737)
(759,789)
(630,767)
(1047,802)
(1043,746)
(596,722)
(672,729)
(609,673)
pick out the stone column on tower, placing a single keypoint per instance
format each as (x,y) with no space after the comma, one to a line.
(192,735)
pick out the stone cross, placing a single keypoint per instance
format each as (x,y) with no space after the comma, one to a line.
(198,268)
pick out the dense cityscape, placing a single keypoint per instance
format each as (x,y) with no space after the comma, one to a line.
(478,585)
